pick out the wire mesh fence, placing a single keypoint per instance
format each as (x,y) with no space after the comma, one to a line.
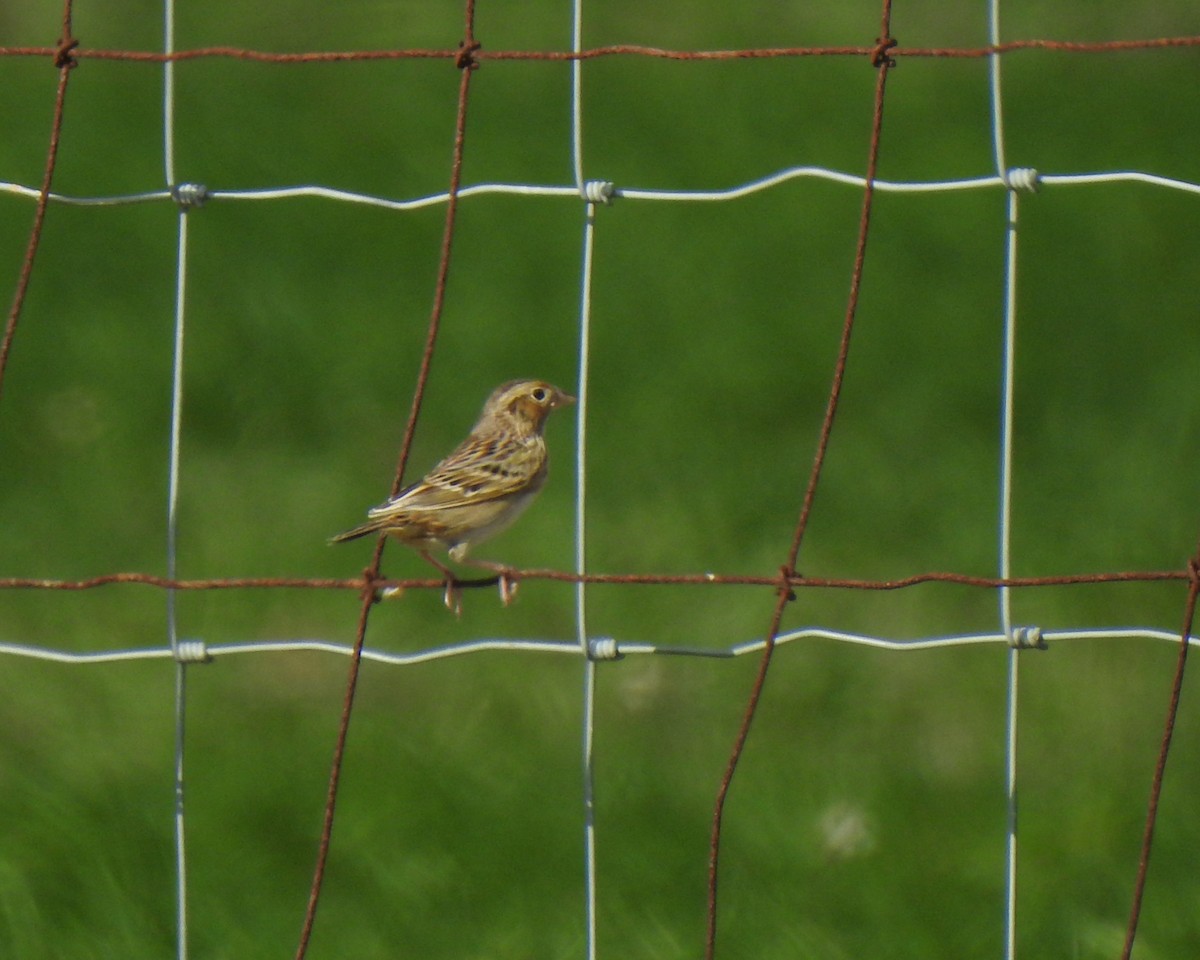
(778,484)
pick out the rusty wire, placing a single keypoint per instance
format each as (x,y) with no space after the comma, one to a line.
(882,62)
(64,54)
(794,581)
(466,65)
(1164,750)
(614,50)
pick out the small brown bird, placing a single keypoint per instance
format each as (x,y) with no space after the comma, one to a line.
(480,488)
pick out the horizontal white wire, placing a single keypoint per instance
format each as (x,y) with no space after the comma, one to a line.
(195,649)
(1124,176)
(113,201)
(729,193)
(329,193)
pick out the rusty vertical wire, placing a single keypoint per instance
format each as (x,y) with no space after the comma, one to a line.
(466,63)
(65,63)
(1160,766)
(883,62)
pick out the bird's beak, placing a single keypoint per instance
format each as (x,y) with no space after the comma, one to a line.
(564,400)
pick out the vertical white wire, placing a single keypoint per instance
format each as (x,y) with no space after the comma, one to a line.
(1005,521)
(589,809)
(1010,318)
(169,94)
(589,669)
(585,311)
(173,484)
(1010,719)
(577,96)
(994,82)
(172,630)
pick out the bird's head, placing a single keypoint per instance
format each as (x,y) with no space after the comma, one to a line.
(525,403)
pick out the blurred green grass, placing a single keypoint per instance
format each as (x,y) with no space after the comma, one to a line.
(867,817)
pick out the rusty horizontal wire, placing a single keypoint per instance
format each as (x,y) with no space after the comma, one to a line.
(615,50)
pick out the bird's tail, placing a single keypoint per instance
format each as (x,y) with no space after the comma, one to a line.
(371,526)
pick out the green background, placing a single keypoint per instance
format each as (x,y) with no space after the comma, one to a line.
(867,818)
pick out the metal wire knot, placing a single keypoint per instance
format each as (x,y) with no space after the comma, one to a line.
(192,651)
(1023,178)
(598,191)
(465,58)
(189,195)
(879,56)
(1026,638)
(62,53)
(603,648)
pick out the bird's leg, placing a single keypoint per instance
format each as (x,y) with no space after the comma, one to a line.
(452,596)
(508,586)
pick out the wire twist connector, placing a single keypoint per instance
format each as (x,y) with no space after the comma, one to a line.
(1026,638)
(880,55)
(1023,178)
(62,53)
(192,651)
(603,648)
(465,58)
(598,191)
(189,195)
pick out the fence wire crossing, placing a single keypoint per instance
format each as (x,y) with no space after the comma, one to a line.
(883,53)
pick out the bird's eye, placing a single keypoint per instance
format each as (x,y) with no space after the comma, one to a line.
(538,394)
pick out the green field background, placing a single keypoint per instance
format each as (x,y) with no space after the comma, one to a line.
(868,816)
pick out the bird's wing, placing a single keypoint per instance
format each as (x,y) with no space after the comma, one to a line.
(480,470)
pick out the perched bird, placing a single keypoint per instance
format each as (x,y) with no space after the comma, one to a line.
(479,489)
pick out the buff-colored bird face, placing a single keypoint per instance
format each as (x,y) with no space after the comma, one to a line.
(521,405)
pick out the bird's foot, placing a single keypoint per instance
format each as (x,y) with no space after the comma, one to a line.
(508,589)
(505,581)
(452,597)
